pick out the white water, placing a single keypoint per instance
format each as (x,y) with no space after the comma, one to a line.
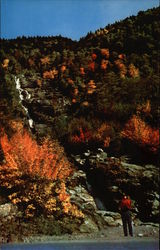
(27,96)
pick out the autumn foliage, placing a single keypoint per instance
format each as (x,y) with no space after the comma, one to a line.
(91,66)
(37,196)
(81,137)
(91,87)
(104,64)
(24,154)
(45,60)
(122,68)
(5,63)
(50,74)
(138,131)
(105,52)
(26,163)
(67,207)
(133,71)
(104,134)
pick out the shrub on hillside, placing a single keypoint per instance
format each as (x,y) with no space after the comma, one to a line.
(33,176)
(22,152)
(138,131)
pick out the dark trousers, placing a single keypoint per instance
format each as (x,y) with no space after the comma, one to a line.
(127,223)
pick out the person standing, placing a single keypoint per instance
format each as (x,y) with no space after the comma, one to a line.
(125,207)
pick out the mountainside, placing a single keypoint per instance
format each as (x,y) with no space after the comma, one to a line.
(60,100)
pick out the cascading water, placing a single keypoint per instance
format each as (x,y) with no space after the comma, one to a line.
(21,96)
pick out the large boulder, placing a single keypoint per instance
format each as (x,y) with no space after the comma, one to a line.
(8,209)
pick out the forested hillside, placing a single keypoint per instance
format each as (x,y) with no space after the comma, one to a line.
(110,77)
(99,92)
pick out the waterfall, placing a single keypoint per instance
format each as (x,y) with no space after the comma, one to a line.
(21,96)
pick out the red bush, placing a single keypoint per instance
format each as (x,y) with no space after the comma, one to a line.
(83,136)
(91,66)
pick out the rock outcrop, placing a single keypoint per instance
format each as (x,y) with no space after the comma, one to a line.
(110,178)
(94,218)
(43,104)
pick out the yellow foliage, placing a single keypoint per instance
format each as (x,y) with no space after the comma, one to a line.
(50,74)
(104,64)
(122,68)
(144,108)
(16,125)
(30,210)
(85,103)
(91,87)
(45,60)
(68,208)
(5,63)
(39,82)
(51,205)
(103,134)
(63,68)
(133,71)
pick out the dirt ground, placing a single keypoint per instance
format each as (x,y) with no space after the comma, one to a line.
(144,232)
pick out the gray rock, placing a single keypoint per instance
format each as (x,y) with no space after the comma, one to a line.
(109,221)
(140,235)
(88,226)
(118,222)
(7,210)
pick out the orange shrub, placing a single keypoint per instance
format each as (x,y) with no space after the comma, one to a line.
(63,68)
(104,64)
(45,60)
(5,63)
(144,108)
(133,71)
(74,100)
(103,134)
(122,68)
(122,56)
(16,125)
(67,207)
(23,153)
(85,103)
(50,74)
(82,72)
(138,131)
(105,52)
(91,87)
(39,82)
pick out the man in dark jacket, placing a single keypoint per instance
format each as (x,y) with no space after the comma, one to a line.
(125,207)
